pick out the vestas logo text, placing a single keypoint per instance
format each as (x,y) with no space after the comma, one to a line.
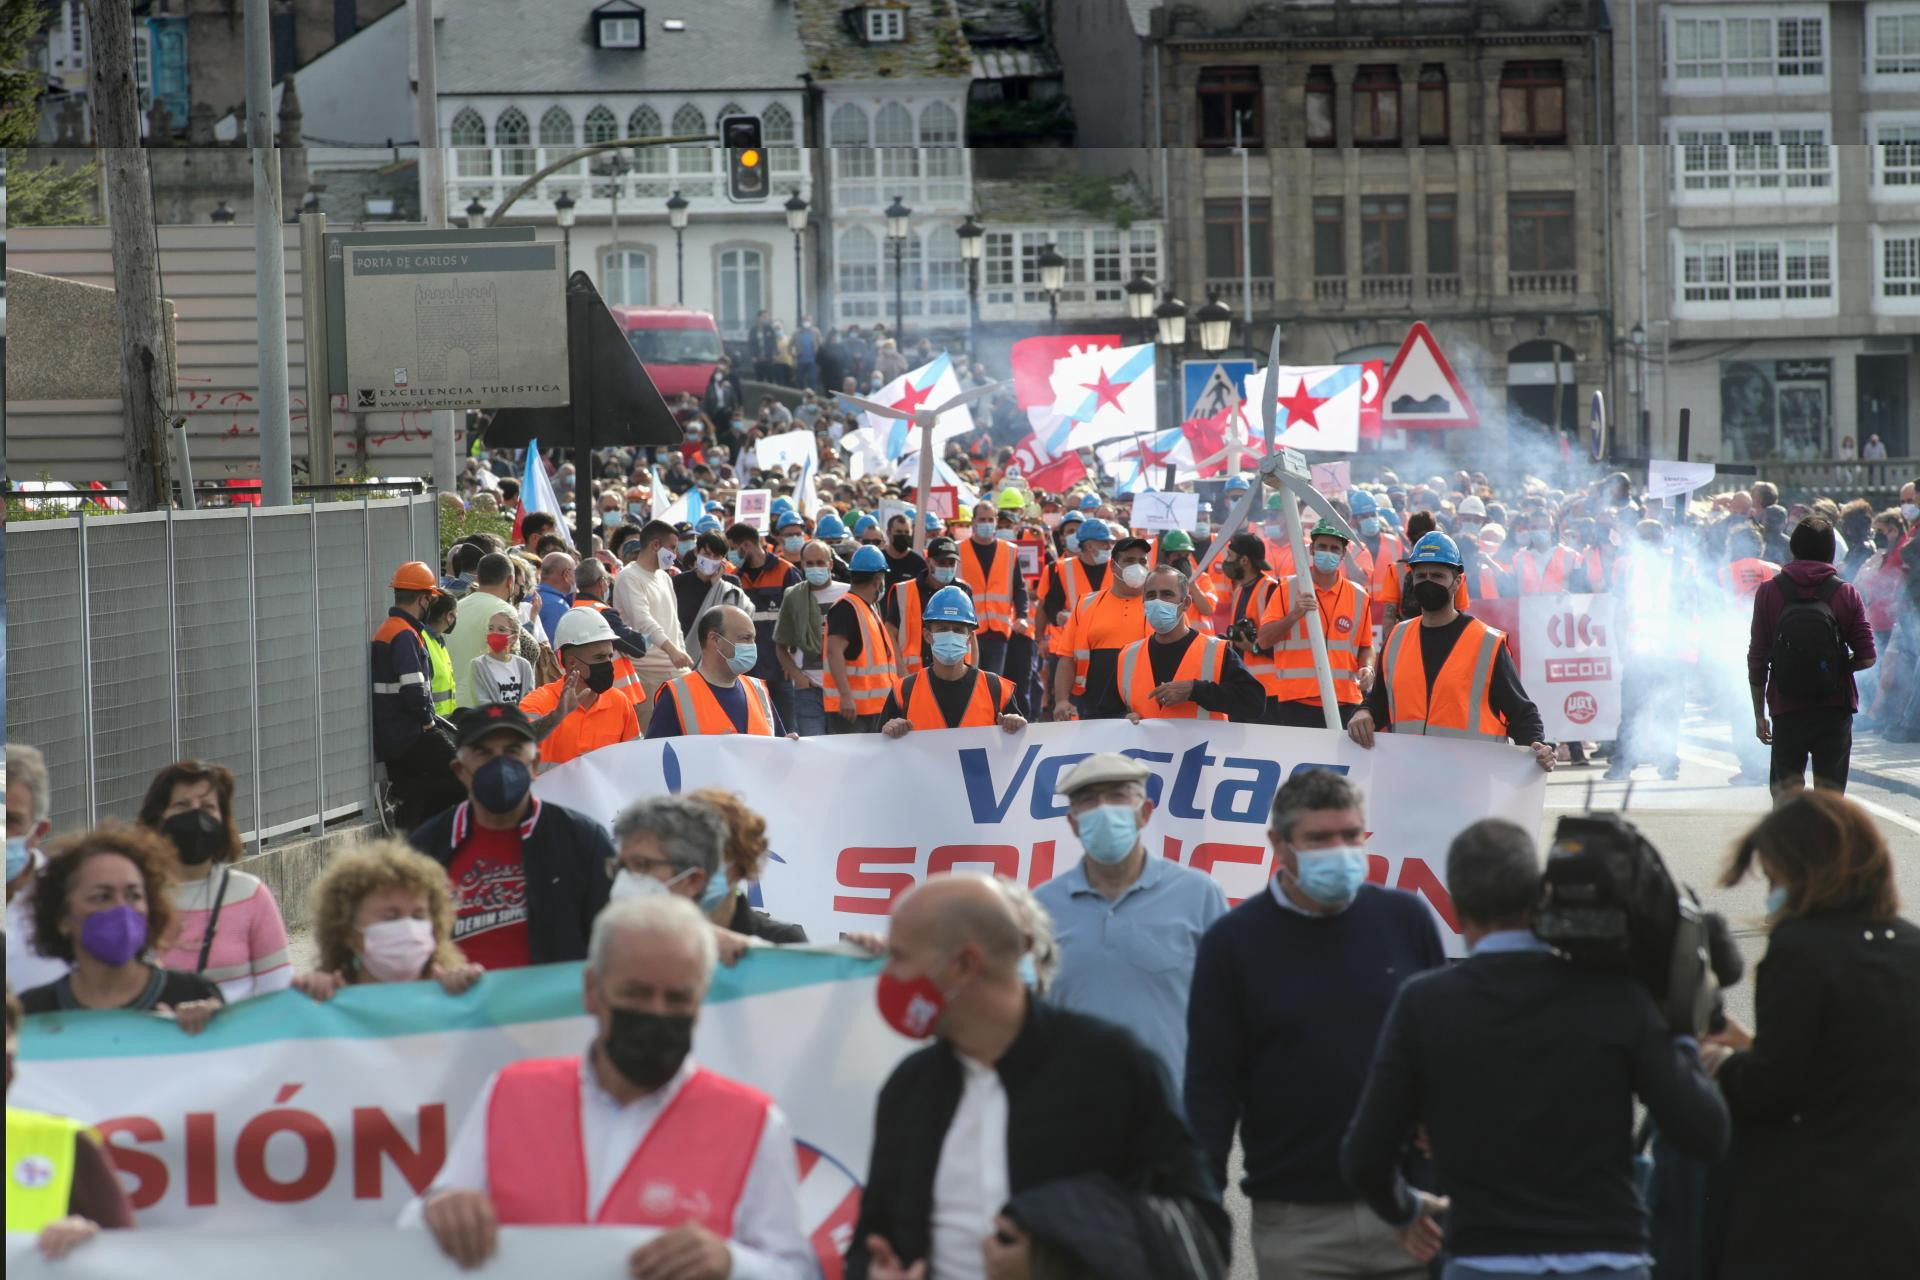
(1239,789)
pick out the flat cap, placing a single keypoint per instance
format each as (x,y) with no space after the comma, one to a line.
(1105,767)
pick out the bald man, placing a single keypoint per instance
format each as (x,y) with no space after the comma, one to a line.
(1013,1097)
(556,589)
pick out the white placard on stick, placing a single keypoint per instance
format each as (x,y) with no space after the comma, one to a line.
(753,507)
(1166,511)
(1333,478)
(1667,479)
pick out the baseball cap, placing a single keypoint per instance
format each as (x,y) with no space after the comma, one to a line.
(944,548)
(476,723)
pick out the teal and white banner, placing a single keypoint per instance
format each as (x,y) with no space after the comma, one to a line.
(287,1112)
(855,821)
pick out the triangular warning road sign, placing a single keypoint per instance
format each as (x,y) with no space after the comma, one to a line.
(1421,390)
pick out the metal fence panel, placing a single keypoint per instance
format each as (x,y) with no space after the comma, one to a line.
(46,705)
(190,651)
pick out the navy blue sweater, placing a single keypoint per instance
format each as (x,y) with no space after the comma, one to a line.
(1281,1026)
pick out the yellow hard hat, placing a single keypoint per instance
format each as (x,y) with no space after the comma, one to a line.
(1011,500)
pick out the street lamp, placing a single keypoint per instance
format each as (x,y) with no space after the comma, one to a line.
(677,219)
(475,212)
(1139,291)
(1053,274)
(1216,326)
(973,241)
(223,215)
(797,223)
(898,229)
(1170,327)
(614,165)
(312,202)
(563,213)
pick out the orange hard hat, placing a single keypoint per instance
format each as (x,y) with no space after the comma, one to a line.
(414,575)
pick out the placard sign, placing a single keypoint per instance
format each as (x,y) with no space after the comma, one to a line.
(753,507)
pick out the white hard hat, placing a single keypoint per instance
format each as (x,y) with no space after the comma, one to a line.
(1471,506)
(581,626)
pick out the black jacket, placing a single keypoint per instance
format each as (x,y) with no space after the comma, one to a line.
(1093,1228)
(565,855)
(755,923)
(1084,1096)
(1826,1105)
(1523,1067)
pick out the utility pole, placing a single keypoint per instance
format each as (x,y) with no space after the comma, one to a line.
(146,372)
(270,265)
(433,199)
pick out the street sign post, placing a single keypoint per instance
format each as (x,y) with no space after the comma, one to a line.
(1422,390)
(1208,386)
(456,326)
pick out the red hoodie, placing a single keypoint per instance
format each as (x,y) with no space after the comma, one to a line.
(1768,603)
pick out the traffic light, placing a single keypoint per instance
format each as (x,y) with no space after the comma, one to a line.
(746,158)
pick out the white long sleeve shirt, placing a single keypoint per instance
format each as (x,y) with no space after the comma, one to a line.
(644,599)
(768,1242)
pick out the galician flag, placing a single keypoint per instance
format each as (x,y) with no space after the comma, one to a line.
(929,386)
(1140,462)
(1098,395)
(1319,405)
(536,491)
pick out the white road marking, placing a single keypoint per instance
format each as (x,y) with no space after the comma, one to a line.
(1877,810)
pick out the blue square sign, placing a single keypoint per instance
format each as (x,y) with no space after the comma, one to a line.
(1208,386)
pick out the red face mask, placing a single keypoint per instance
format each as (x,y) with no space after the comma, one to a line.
(910,1007)
(498,643)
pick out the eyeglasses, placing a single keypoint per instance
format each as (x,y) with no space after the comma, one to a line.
(642,866)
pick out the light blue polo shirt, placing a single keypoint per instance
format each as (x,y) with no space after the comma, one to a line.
(1130,960)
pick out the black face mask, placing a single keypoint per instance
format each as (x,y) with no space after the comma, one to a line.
(902,542)
(1431,596)
(196,834)
(647,1048)
(501,784)
(600,676)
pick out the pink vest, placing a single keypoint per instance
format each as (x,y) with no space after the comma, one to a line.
(691,1167)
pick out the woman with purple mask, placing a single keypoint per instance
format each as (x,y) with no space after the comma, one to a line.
(101,904)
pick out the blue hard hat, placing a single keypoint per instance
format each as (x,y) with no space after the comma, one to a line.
(781,505)
(934,523)
(1362,503)
(1073,516)
(1237,484)
(708,525)
(1435,548)
(1095,531)
(789,519)
(951,604)
(1088,501)
(830,528)
(863,524)
(868,560)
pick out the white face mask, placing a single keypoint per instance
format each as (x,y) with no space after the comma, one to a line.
(631,884)
(1134,575)
(397,950)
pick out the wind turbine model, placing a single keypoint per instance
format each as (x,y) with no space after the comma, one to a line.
(1287,471)
(924,419)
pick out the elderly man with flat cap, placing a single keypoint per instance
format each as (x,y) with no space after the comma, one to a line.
(1127,923)
(1028,1139)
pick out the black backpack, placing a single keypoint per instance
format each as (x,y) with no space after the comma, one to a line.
(1607,901)
(1809,661)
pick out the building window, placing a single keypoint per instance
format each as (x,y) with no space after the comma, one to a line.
(619,33)
(742,280)
(1767,158)
(1703,273)
(1757,274)
(629,276)
(1443,252)
(693,159)
(1320,107)
(1894,40)
(1433,104)
(1383,236)
(511,133)
(946,269)
(1329,237)
(1224,240)
(1540,233)
(650,164)
(1533,102)
(1227,94)
(1376,105)
(1746,48)
(997,266)
(600,126)
(1900,267)
(143,67)
(1897,149)
(1105,260)
(886,24)
(857,263)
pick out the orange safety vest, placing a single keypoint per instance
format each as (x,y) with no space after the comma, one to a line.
(1743,577)
(1386,562)
(873,675)
(1458,708)
(1260,664)
(992,589)
(1537,579)
(1343,620)
(626,677)
(612,718)
(1101,621)
(985,705)
(690,1168)
(701,712)
(1489,582)
(906,598)
(1201,661)
(1074,584)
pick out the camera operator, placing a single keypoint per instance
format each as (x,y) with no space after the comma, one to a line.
(1522,1068)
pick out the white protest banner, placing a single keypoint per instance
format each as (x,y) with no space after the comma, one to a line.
(287,1112)
(323,1254)
(788,449)
(1570,664)
(1667,479)
(1333,478)
(753,508)
(983,800)
(1166,511)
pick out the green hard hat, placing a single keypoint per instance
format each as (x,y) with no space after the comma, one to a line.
(1176,540)
(1274,500)
(1325,529)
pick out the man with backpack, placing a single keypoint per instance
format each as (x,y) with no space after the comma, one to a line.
(1810,634)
